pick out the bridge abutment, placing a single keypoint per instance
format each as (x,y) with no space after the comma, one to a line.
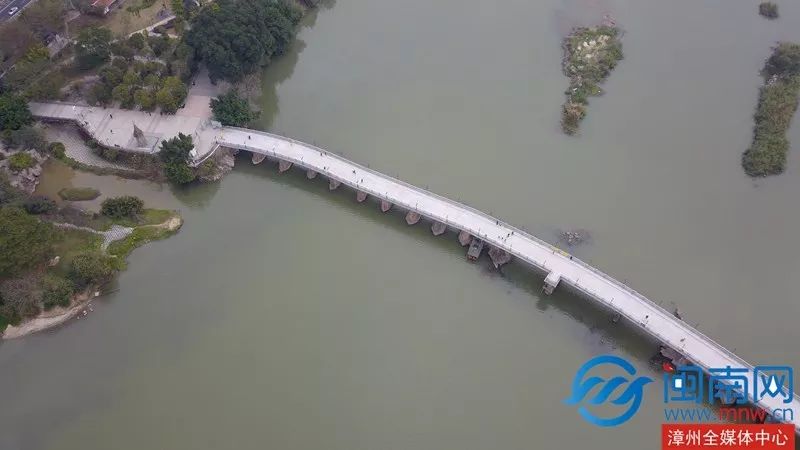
(550,282)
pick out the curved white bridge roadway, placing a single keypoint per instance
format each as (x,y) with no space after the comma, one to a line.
(660,323)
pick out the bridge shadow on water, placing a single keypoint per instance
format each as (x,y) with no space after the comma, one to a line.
(603,333)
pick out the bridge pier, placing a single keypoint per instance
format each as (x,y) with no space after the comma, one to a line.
(464,238)
(333,184)
(385,205)
(361,196)
(550,282)
(310,174)
(283,166)
(499,257)
(438,228)
(412,217)
(258,158)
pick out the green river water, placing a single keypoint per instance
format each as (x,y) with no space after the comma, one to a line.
(286,317)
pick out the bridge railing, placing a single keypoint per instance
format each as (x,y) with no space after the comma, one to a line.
(560,253)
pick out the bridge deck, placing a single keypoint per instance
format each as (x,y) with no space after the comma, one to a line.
(657,321)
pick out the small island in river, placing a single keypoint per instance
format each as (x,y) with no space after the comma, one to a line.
(590,54)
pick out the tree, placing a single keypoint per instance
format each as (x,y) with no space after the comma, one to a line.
(56,291)
(230,109)
(111,75)
(175,153)
(235,38)
(145,99)
(171,95)
(93,47)
(29,137)
(126,206)
(24,241)
(14,112)
(100,93)
(21,298)
(123,94)
(785,60)
(35,60)
(38,204)
(137,41)
(89,268)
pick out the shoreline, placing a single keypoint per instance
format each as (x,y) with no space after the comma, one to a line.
(46,320)
(57,316)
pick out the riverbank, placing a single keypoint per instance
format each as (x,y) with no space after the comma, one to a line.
(590,54)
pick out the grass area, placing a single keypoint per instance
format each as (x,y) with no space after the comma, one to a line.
(139,237)
(72,242)
(147,217)
(590,54)
(120,21)
(777,103)
(79,194)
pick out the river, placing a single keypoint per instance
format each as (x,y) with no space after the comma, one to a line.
(283,316)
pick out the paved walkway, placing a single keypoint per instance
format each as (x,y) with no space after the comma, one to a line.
(76,147)
(115,233)
(596,285)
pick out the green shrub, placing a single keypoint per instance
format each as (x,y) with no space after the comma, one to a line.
(79,194)
(38,204)
(90,268)
(126,206)
(768,10)
(56,291)
(21,161)
(785,61)
(57,149)
(29,138)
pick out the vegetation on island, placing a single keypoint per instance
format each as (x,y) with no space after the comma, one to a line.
(32,280)
(777,104)
(768,10)
(79,194)
(231,109)
(590,54)
(234,38)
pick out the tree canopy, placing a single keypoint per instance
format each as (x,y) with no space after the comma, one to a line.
(24,241)
(14,112)
(231,109)
(93,47)
(175,155)
(234,38)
